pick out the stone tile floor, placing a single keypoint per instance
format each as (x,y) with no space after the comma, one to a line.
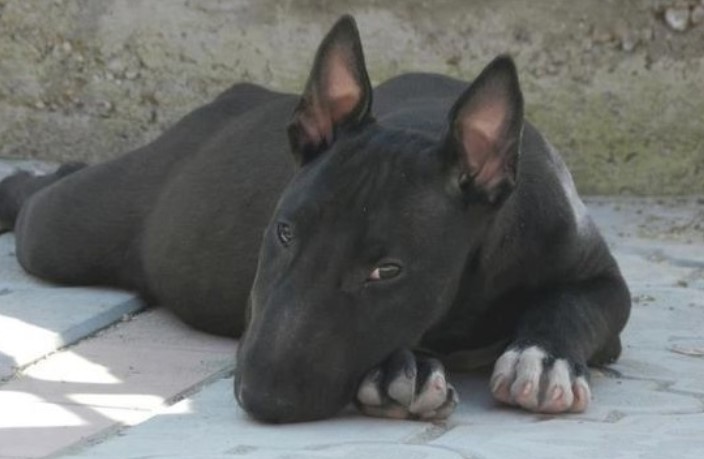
(148,387)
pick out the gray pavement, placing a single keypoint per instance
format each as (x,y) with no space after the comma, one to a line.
(148,387)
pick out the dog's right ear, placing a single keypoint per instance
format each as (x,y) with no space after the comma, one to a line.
(338,94)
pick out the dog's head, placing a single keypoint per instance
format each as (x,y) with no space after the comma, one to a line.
(370,239)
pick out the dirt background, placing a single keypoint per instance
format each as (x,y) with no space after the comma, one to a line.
(617,85)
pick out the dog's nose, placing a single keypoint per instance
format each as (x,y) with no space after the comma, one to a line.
(276,406)
(264,406)
(268,398)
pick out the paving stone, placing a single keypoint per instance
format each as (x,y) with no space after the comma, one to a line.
(31,427)
(158,328)
(642,272)
(212,425)
(36,322)
(660,313)
(674,371)
(108,370)
(662,221)
(613,397)
(116,378)
(646,437)
(219,429)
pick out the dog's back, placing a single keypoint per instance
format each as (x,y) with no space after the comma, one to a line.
(154,219)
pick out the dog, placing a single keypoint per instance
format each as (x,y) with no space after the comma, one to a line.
(405,225)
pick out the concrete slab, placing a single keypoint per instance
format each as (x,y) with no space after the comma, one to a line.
(673,436)
(37,322)
(31,427)
(115,379)
(212,428)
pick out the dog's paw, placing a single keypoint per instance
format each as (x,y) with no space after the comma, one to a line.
(529,378)
(407,387)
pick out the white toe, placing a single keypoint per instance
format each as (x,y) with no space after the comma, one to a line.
(369,392)
(582,395)
(503,375)
(432,395)
(558,395)
(526,387)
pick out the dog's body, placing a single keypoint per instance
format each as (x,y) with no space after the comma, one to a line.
(390,234)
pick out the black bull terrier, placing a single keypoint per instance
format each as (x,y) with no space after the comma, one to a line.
(434,219)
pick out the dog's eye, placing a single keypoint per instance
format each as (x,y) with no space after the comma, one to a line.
(385,272)
(283,231)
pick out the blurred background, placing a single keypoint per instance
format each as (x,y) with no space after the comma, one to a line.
(616,85)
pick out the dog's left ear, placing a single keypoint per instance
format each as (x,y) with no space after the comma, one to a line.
(338,93)
(486,124)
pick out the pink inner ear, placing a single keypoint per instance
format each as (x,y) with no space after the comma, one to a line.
(342,90)
(317,127)
(481,131)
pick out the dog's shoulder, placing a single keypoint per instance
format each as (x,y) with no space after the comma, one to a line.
(543,232)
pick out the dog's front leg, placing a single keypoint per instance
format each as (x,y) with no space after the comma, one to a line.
(562,330)
(407,386)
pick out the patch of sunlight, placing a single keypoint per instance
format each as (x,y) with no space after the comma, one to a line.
(124,417)
(18,337)
(182,407)
(20,409)
(69,367)
(128,401)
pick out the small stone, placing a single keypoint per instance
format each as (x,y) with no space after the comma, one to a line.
(116,66)
(66,47)
(629,41)
(454,60)
(105,108)
(647,34)
(626,37)
(600,36)
(40,105)
(677,18)
(587,44)
(552,69)
(131,74)
(697,16)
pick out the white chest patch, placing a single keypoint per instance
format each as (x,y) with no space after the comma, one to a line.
(579,210)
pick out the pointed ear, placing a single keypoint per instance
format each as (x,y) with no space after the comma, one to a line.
(337,95)
(485,131)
